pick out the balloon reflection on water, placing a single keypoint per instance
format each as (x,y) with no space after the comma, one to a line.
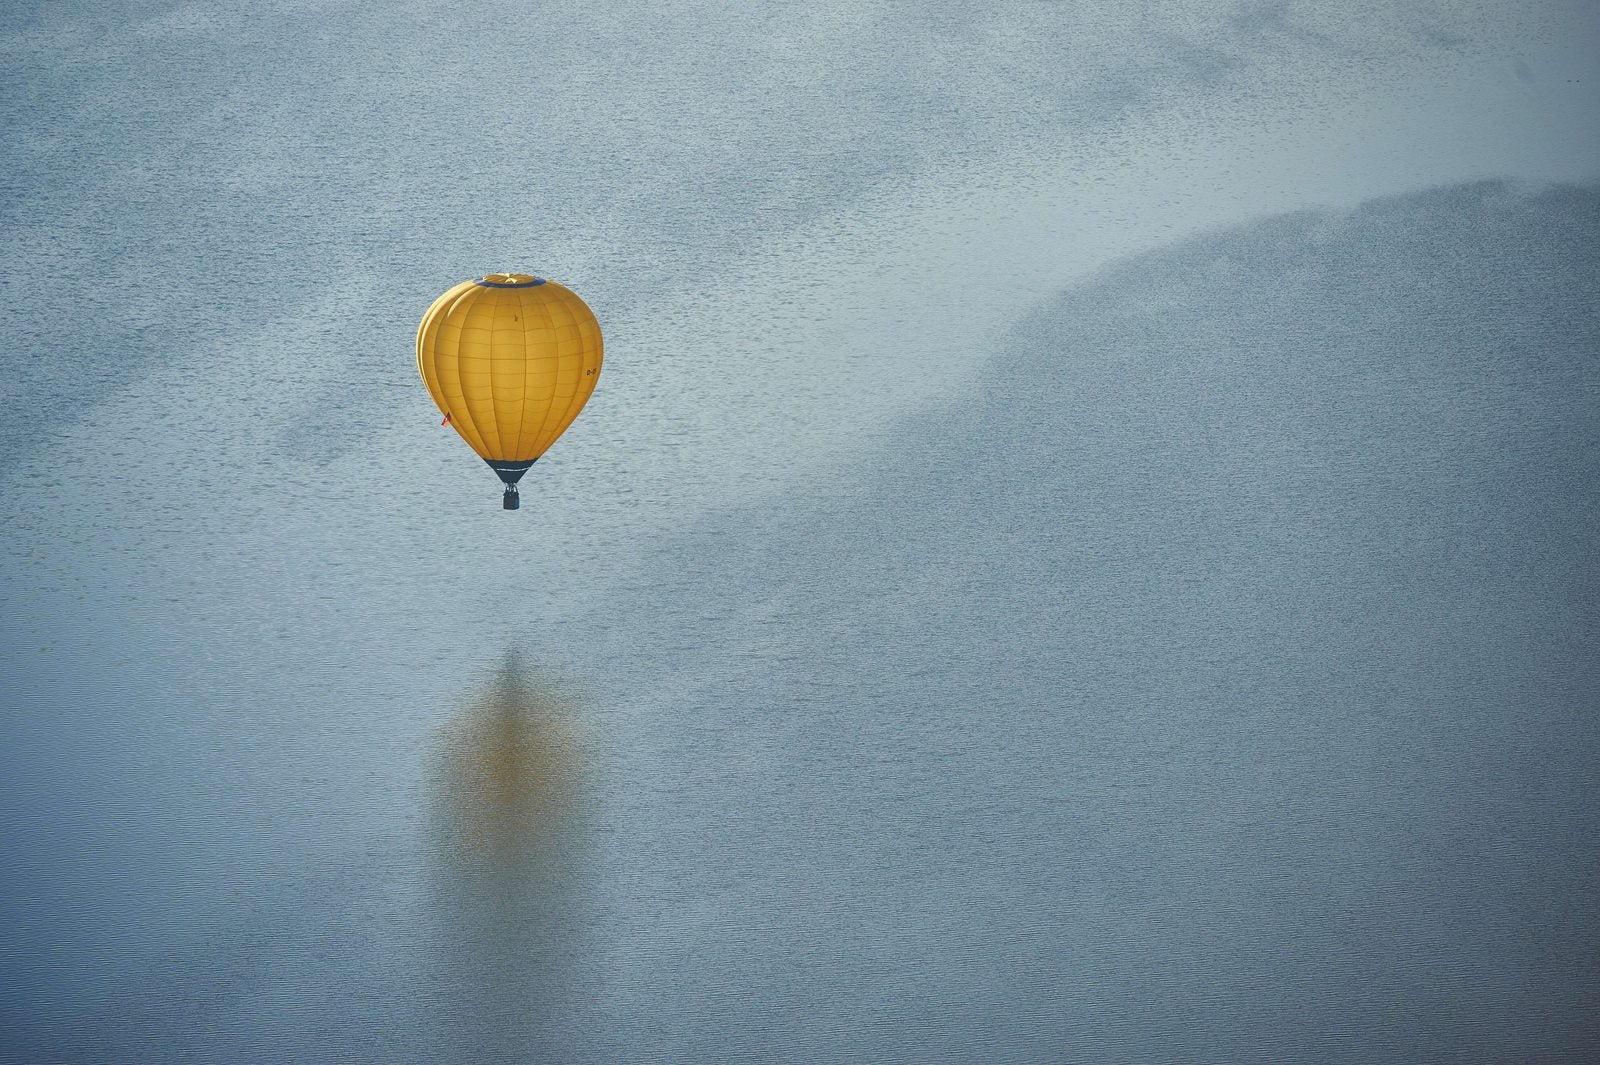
(506,773)
(507,821)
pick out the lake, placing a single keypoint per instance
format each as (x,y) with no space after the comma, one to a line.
(1083,548)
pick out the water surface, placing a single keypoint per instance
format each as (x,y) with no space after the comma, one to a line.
(1081,550)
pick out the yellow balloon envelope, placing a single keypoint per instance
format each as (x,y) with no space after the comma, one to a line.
(510,359)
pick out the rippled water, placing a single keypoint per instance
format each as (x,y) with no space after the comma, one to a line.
(1075,554)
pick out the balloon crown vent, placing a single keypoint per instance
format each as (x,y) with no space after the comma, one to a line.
(509,280)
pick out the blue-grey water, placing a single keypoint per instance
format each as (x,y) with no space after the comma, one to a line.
(1084,548)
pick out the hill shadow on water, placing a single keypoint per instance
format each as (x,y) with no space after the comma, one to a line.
(1213,679)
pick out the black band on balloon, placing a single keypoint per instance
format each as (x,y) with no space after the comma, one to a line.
(510,472)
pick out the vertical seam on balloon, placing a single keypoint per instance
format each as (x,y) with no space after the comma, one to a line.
(573,405)
(539,443)
(528,303)
(495,359)
(581,392)
(473,434)
(422,345)
(428,349)
(427,342)
(492,304)
(544,436)
(597,352)
(503,355)
(508,444)
(569,412)
(468,427)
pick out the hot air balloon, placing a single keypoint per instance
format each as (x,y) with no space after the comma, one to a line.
(510,359)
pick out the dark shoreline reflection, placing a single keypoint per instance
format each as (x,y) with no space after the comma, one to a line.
(506,803)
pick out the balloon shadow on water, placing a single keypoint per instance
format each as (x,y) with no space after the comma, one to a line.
(507,821)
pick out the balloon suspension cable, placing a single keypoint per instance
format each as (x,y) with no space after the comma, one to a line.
(512,500)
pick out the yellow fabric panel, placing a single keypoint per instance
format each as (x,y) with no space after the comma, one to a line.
(576,371)
(511,366)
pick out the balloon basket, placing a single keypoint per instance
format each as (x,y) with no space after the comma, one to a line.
(511,501)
